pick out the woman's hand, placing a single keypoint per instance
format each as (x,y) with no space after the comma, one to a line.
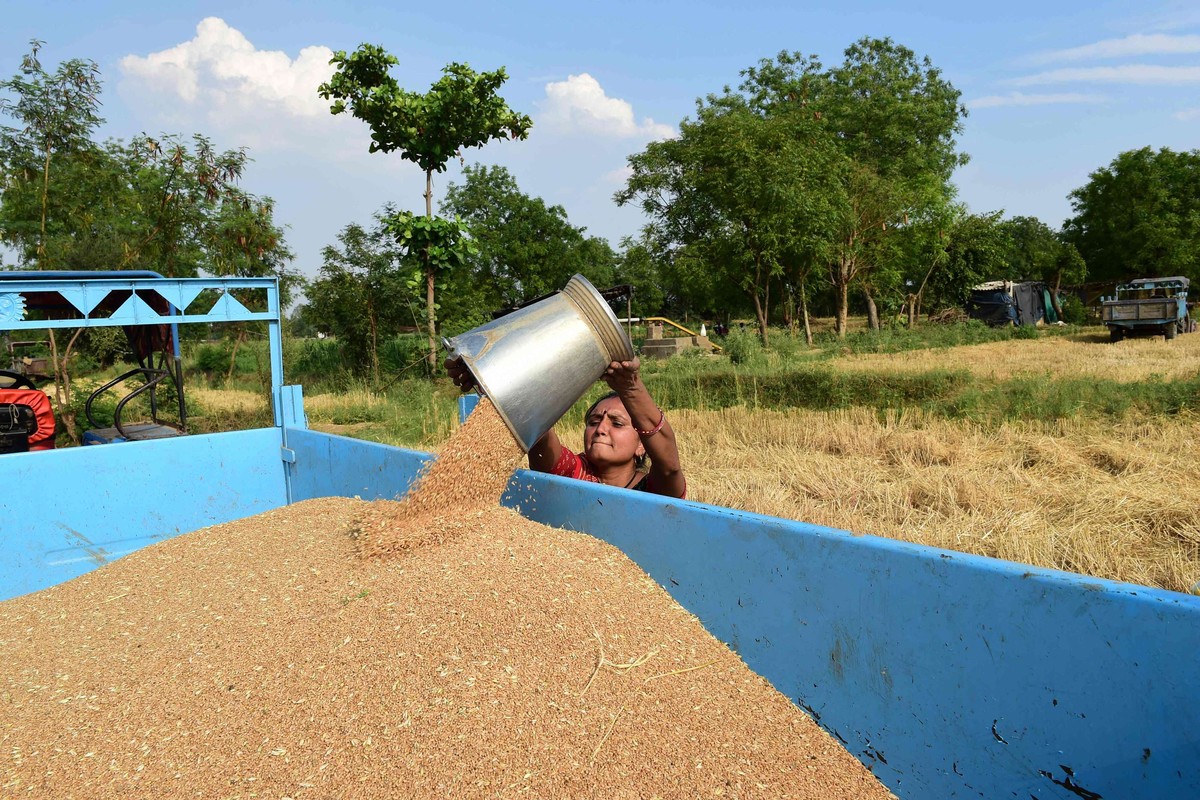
(623,376)
(459,373)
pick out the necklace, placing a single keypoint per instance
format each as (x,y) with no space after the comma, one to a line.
(633,480)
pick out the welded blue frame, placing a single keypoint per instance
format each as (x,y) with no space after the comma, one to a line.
(86,294)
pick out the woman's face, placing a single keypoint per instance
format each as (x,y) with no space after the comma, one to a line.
(609,437)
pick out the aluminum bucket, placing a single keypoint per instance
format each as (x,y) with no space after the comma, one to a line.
(537,361)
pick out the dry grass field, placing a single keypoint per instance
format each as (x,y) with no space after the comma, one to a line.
(1076,355)
(1120,503)
(1113,499)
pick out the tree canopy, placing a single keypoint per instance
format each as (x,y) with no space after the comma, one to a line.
(1140,216)
(460,110)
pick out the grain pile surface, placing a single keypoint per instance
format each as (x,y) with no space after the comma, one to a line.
(267,658)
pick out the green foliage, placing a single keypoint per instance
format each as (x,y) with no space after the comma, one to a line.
(364,292)
(437,243)
(56,115)
(1073,311)
(460,110)
(523,249)
(803,170)
(1140,216)
(155,203)
(743,346)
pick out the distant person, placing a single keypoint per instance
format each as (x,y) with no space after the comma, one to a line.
(621,431)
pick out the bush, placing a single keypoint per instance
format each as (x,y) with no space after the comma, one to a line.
(1073,312)
(743,346)
(1025,332)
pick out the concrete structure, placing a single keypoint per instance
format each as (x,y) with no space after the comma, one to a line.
(658,346)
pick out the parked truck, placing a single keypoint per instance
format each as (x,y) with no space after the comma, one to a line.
(948,675)
(1148,307)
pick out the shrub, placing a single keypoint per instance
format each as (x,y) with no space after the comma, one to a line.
(1073,312)
(743,346)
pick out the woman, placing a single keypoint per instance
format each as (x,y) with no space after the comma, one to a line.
(621,430)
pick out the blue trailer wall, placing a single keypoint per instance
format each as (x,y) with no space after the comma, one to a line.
(65,512)
(951,676)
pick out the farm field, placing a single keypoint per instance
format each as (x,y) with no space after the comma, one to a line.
(1111,495)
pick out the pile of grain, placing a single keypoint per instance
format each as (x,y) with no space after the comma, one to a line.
(266,658)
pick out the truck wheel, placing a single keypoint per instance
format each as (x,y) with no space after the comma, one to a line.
(1169,331)
(1116,334)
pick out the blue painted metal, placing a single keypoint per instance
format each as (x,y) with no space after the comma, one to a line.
(466,404)
(949,675)
(328,465)
(79,508)
(86,294)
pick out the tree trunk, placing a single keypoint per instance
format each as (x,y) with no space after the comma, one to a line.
(374,328)
(872,311)
(843,307)
(41,248)
(430,314)
(911,302)
(808,339)
(233,357)
(761,314)
(1054,296)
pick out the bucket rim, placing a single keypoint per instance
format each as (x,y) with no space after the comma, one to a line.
(600,318)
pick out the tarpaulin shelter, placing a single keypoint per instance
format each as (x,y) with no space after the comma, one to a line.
(1011,303)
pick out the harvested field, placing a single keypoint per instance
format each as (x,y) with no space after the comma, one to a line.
(1077,355)
(268,658)
(1118,501)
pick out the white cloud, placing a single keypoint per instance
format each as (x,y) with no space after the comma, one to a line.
(220,65)
(1022,99)
(1187,114)
(618,177)
(579,104)
(1146,74)
(1139,44)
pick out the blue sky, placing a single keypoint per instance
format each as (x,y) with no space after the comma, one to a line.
(1055,90)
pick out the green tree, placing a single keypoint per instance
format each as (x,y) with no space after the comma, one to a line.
(977,251)
(57,114)
(460,110)
(1038,253)
(1140,216)
(525,248)
(739,195)
(362,292)
(894,118)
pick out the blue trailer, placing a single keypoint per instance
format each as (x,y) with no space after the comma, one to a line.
(949,675)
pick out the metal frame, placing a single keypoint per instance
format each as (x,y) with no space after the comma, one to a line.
(85,295)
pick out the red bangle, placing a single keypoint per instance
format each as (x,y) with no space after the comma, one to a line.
(662,419)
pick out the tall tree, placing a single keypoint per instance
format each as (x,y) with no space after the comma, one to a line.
(57,115)
(894,117)
(460,110)
(1140,216)
(525,248)
(362,292)
(739,194)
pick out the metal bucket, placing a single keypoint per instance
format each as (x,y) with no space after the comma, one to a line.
(537,361)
